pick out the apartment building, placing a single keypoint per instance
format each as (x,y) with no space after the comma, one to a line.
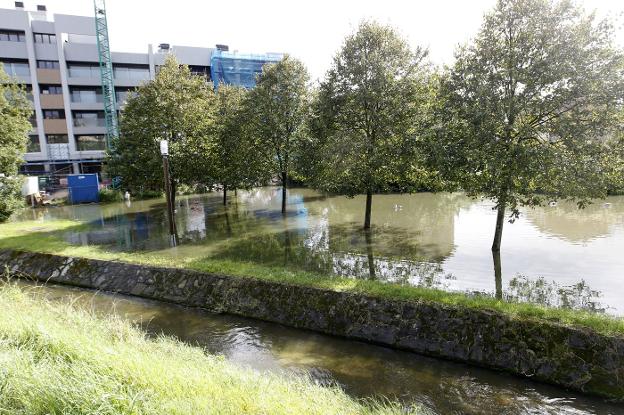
(56,57)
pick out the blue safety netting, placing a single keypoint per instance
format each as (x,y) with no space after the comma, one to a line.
(238,68)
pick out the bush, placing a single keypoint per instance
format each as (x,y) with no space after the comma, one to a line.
(10,196)
(110,195)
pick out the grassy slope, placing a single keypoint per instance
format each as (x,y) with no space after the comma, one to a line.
(58,359)
(40,237)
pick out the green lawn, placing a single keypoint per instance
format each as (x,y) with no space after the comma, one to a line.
(44,237)
(56,359)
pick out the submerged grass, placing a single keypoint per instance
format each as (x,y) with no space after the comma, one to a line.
(45,237)
(57,359)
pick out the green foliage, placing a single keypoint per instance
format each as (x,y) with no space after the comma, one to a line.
(60,359)
(369,114)
(236,162)
(528,109)
(15,111)
(277,109)
(10,196)
(110,195)
(177,106)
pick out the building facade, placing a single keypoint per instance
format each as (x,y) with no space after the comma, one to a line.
(56,57)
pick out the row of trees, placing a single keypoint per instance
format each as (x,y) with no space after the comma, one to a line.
(530,112)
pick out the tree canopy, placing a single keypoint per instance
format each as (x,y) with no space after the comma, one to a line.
(526,113)
(369,114)
(278,107)
(177,106)
(15,111)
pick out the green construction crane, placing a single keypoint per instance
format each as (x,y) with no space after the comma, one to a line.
(106,73)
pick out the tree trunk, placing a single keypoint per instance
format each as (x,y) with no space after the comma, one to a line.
(371,257)
(500,221)
(284,175)
(498,274)
(224,195)
(369,206)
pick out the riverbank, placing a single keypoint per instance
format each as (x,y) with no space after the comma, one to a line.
(46,237)
(574,357)
(58,359)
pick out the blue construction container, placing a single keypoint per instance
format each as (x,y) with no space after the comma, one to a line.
(83,188)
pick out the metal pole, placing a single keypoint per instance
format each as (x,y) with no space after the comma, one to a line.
(170,210)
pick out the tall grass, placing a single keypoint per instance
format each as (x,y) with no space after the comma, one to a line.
(57,359)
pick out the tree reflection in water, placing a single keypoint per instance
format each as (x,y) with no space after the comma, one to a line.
(578,296)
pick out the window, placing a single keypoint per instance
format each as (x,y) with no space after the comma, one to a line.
(51,89)
(57,138)
(45,38)
(91,142)
(89,119)
(48,64)
(87,95)
(16,67)
(33,144)
(11,36)
(33,119)
(53,114)
(139,73)
(83,70)
(122,94)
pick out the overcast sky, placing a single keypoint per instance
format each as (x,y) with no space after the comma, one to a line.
(309,30)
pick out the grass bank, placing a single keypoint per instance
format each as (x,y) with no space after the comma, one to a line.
(46,237)
(56,359)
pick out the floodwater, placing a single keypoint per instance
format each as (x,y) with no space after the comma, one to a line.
(361,369)
(556,255)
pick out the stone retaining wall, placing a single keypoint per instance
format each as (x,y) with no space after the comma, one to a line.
(576,358)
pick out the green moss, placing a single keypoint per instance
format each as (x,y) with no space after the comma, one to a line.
(56,359)
(46,237)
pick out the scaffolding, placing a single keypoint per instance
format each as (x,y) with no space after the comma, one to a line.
(106,73)
(240,69)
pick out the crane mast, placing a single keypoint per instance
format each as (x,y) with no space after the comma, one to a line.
(106,73)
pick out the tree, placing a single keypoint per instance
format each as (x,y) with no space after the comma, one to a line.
(15,111)
(178,106)
(368,115)
(235,161)
(528,107)
(278,107)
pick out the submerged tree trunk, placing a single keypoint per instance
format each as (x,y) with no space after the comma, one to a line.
(224,195)
(500,221)
(284,176)
(369,205)
(369,252)
(498,274)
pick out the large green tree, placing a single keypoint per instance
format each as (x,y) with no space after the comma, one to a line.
(278,107)
(369,113)
(527,110)
(15,111)
(177,106)
(235,162)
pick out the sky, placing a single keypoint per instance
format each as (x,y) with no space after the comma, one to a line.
(312,31)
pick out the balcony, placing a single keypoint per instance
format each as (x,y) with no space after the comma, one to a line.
(48,76)
(51,101)
(55,126)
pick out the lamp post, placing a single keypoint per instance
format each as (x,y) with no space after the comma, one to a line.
(164,151)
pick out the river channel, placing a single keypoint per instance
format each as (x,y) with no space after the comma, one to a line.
(361,369)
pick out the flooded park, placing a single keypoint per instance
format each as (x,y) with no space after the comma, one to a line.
(556,255)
